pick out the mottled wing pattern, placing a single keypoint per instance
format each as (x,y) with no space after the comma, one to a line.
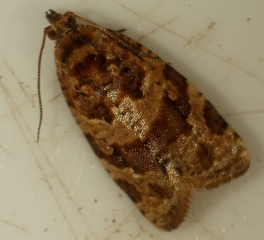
(216,159)
(158,136)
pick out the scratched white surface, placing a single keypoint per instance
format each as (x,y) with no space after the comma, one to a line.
(57,189)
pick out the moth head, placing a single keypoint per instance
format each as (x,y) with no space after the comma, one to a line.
(58,23)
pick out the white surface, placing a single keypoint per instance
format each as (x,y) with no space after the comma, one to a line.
(57,189)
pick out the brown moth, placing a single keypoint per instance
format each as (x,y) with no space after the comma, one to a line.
(154,132)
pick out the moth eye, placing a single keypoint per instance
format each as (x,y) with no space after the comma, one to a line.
(72,19)
(52,35)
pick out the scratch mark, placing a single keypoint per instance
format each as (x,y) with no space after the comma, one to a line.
(22,84)
(51,100)
(11,105)
(136,13)
(232,206)
(196,40)
(12,108)
(208,232)
(18,82)
(156,29)
(218,57)
(244,113)
(14,225)
(128,9)
(78,4)
(231,69)
(64,134)
(49,185)
(6,151)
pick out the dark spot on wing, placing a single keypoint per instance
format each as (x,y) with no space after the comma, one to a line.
(168,125)
(181,86)
(214,121)
(205,157)
(130,190)
(130,80)
(139,157)
(75,41)
(89,67)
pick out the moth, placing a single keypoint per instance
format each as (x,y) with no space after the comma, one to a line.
(158,137)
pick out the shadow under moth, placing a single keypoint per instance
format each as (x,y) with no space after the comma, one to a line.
(154,132)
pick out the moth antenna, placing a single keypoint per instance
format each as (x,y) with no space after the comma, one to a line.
(123,43)
(38,86)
